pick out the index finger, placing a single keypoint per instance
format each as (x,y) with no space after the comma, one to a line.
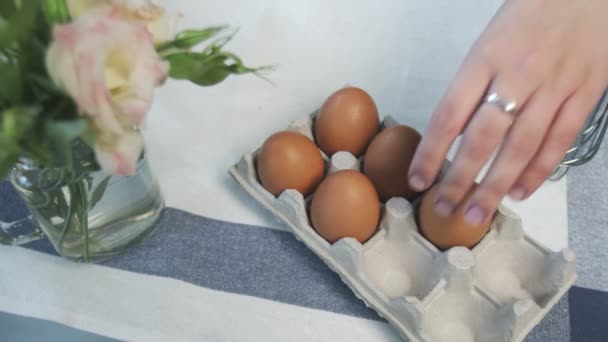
(447,122)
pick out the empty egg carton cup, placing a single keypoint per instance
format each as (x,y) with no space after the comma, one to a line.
(498,291)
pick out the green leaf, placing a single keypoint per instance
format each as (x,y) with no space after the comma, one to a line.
(211,76)
(217,45)
(56,11)
(10,83)
(190,38)
(61,134)
(44,83)
(66,131)
(202,71)
(45,91)
(17,121)
(208,67)
(98,193)
(7,8)
(182,64)
(33,53)
(19,25)
(207,70)
(8,154)
(61,107)
(32,63)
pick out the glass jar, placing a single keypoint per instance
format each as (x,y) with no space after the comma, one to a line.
(85,213)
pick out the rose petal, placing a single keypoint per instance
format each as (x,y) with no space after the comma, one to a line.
(110,66)
(121,159)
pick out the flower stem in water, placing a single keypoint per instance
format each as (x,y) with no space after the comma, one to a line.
(69,218)
(84,218)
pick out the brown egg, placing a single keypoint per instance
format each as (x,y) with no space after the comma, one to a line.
(345,205)
(347,121)
(451,231)
(289,160)
(388,159)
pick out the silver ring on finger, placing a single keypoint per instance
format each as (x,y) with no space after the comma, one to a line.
(506,106)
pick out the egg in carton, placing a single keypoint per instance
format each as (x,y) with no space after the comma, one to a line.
(498,291)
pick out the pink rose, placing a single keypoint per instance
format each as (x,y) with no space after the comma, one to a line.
(110,67)
(159,22)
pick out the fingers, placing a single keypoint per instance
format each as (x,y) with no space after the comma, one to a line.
(521,144)
(453,111)
(562,134)
(481,138)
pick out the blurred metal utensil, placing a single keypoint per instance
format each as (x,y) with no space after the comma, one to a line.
(588,141)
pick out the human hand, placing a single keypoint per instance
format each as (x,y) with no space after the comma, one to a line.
(548,56)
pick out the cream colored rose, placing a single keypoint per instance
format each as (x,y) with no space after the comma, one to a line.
(109,65)
(160,23)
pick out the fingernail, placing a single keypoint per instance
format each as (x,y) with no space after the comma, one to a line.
(475,215)
(518,193)
(417,183)
(443,207)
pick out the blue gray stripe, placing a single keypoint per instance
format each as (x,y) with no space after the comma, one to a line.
(589,314)
(588,220)
(16,328)
(239,259)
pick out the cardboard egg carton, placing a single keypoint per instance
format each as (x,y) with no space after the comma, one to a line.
(498,291)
